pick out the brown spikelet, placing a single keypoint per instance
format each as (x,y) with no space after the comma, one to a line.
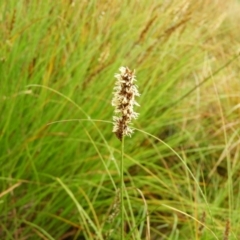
(115,207)
(227,231)
(123,101)
(114,211)
(145,30)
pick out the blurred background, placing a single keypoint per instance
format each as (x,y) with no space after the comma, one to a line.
(58,156)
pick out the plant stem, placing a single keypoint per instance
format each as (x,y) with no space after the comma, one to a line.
(122,191)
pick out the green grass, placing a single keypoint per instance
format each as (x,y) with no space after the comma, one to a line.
(59,158)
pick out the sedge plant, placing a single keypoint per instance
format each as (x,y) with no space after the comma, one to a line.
(57,180)
(124,101)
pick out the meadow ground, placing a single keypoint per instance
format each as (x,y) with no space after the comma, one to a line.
(59,159)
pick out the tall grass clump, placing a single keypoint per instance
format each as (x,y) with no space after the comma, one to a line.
(59,160)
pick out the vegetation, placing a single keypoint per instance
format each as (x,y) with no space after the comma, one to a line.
(59,158)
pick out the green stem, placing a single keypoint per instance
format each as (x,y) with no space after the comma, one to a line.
(122,191)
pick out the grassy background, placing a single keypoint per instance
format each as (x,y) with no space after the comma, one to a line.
(58,156)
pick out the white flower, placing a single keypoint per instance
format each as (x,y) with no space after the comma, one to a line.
(123,101)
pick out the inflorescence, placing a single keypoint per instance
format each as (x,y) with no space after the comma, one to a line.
(124,99)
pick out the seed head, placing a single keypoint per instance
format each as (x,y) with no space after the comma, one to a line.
(124,99)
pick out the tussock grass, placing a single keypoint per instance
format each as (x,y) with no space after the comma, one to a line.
(58,155)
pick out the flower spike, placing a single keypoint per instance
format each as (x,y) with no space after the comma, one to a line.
(125,92)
